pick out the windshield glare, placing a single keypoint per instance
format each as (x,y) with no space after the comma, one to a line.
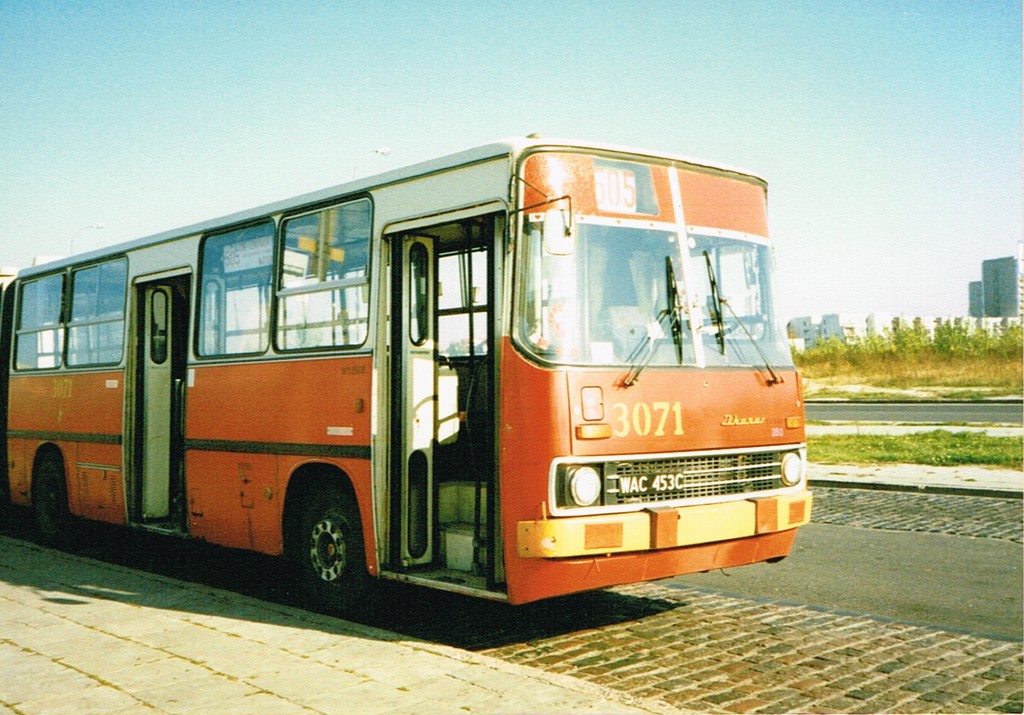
(608,302)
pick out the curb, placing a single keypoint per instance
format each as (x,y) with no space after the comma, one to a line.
(919,489)
(983,401)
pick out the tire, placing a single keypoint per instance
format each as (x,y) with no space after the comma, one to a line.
(327,548)
(53,520)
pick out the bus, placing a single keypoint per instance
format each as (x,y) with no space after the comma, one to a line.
(524,370)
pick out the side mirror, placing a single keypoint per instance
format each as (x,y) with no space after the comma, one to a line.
(559,232)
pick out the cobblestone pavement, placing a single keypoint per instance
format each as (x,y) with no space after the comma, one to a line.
(986,517)
(699,650)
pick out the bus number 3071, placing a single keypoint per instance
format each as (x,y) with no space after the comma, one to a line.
(645,419)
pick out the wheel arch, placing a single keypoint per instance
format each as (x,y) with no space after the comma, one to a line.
(47,452)
(314,477)
(54,519)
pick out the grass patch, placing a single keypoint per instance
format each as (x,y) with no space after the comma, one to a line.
(939,448)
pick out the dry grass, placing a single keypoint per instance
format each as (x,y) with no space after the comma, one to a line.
(951,379)
(977,368)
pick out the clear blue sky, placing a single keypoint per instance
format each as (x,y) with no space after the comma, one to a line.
(889,132)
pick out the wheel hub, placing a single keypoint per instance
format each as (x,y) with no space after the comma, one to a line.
(327,550)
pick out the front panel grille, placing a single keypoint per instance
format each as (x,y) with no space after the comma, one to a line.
(699,476)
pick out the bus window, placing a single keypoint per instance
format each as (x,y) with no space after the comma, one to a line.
(236,277)
(96,330)
(323,297)
(40,341)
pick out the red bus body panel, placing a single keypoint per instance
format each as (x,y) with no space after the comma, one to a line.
(81,413)
(251,425)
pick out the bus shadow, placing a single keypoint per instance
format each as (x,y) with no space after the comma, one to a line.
(477,625)
(398,610)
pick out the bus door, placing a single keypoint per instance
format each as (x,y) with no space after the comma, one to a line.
(162,320)
(443,492)
(412,402)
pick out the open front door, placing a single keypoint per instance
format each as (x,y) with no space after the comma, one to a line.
(443,493)
(162,310)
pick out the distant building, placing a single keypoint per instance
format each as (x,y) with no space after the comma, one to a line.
(1000,277)
(7,274)
(802,332)
(976,299)
(845,327)
(1000,292)
(878,323)
(805,331)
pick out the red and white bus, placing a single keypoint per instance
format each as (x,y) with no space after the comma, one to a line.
(527,369)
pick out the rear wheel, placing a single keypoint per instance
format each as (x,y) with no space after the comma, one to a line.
(53,520)
(327,546)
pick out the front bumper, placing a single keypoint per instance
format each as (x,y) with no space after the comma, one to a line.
(662,528)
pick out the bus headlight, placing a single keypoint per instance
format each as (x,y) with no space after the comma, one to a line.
(792,469)
(584,485)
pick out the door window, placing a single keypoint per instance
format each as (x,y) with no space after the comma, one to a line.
(462,303)
(158,328)
(419,309)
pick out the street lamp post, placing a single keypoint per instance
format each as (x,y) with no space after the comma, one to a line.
(96,226)
(379,151)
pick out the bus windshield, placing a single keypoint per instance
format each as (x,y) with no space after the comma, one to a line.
(611,299)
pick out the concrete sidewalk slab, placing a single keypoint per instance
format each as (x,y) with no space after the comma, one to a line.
(83,636)
(966,480)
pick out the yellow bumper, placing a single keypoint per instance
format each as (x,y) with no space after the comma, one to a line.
(661,528)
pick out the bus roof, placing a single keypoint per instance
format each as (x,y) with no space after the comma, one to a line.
(511,147)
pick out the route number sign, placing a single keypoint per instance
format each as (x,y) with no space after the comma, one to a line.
(615,190)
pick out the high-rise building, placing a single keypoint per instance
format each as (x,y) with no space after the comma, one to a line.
(1000,277)
(1000,292)
(976,299)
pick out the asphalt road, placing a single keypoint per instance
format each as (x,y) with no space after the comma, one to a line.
(957,583)
(917,412)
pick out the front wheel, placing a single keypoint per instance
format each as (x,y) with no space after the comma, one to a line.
(327,547)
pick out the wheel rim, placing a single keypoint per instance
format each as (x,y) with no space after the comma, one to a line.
(327,550)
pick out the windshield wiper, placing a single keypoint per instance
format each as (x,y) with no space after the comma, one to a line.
(644,351)
(674,309)
(718,303)
(641,355)
(774,378)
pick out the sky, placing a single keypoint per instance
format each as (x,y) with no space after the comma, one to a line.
(889,131)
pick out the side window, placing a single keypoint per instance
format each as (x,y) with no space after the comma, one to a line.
(323,286)
(235,285)
(39,334)
(96,328)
